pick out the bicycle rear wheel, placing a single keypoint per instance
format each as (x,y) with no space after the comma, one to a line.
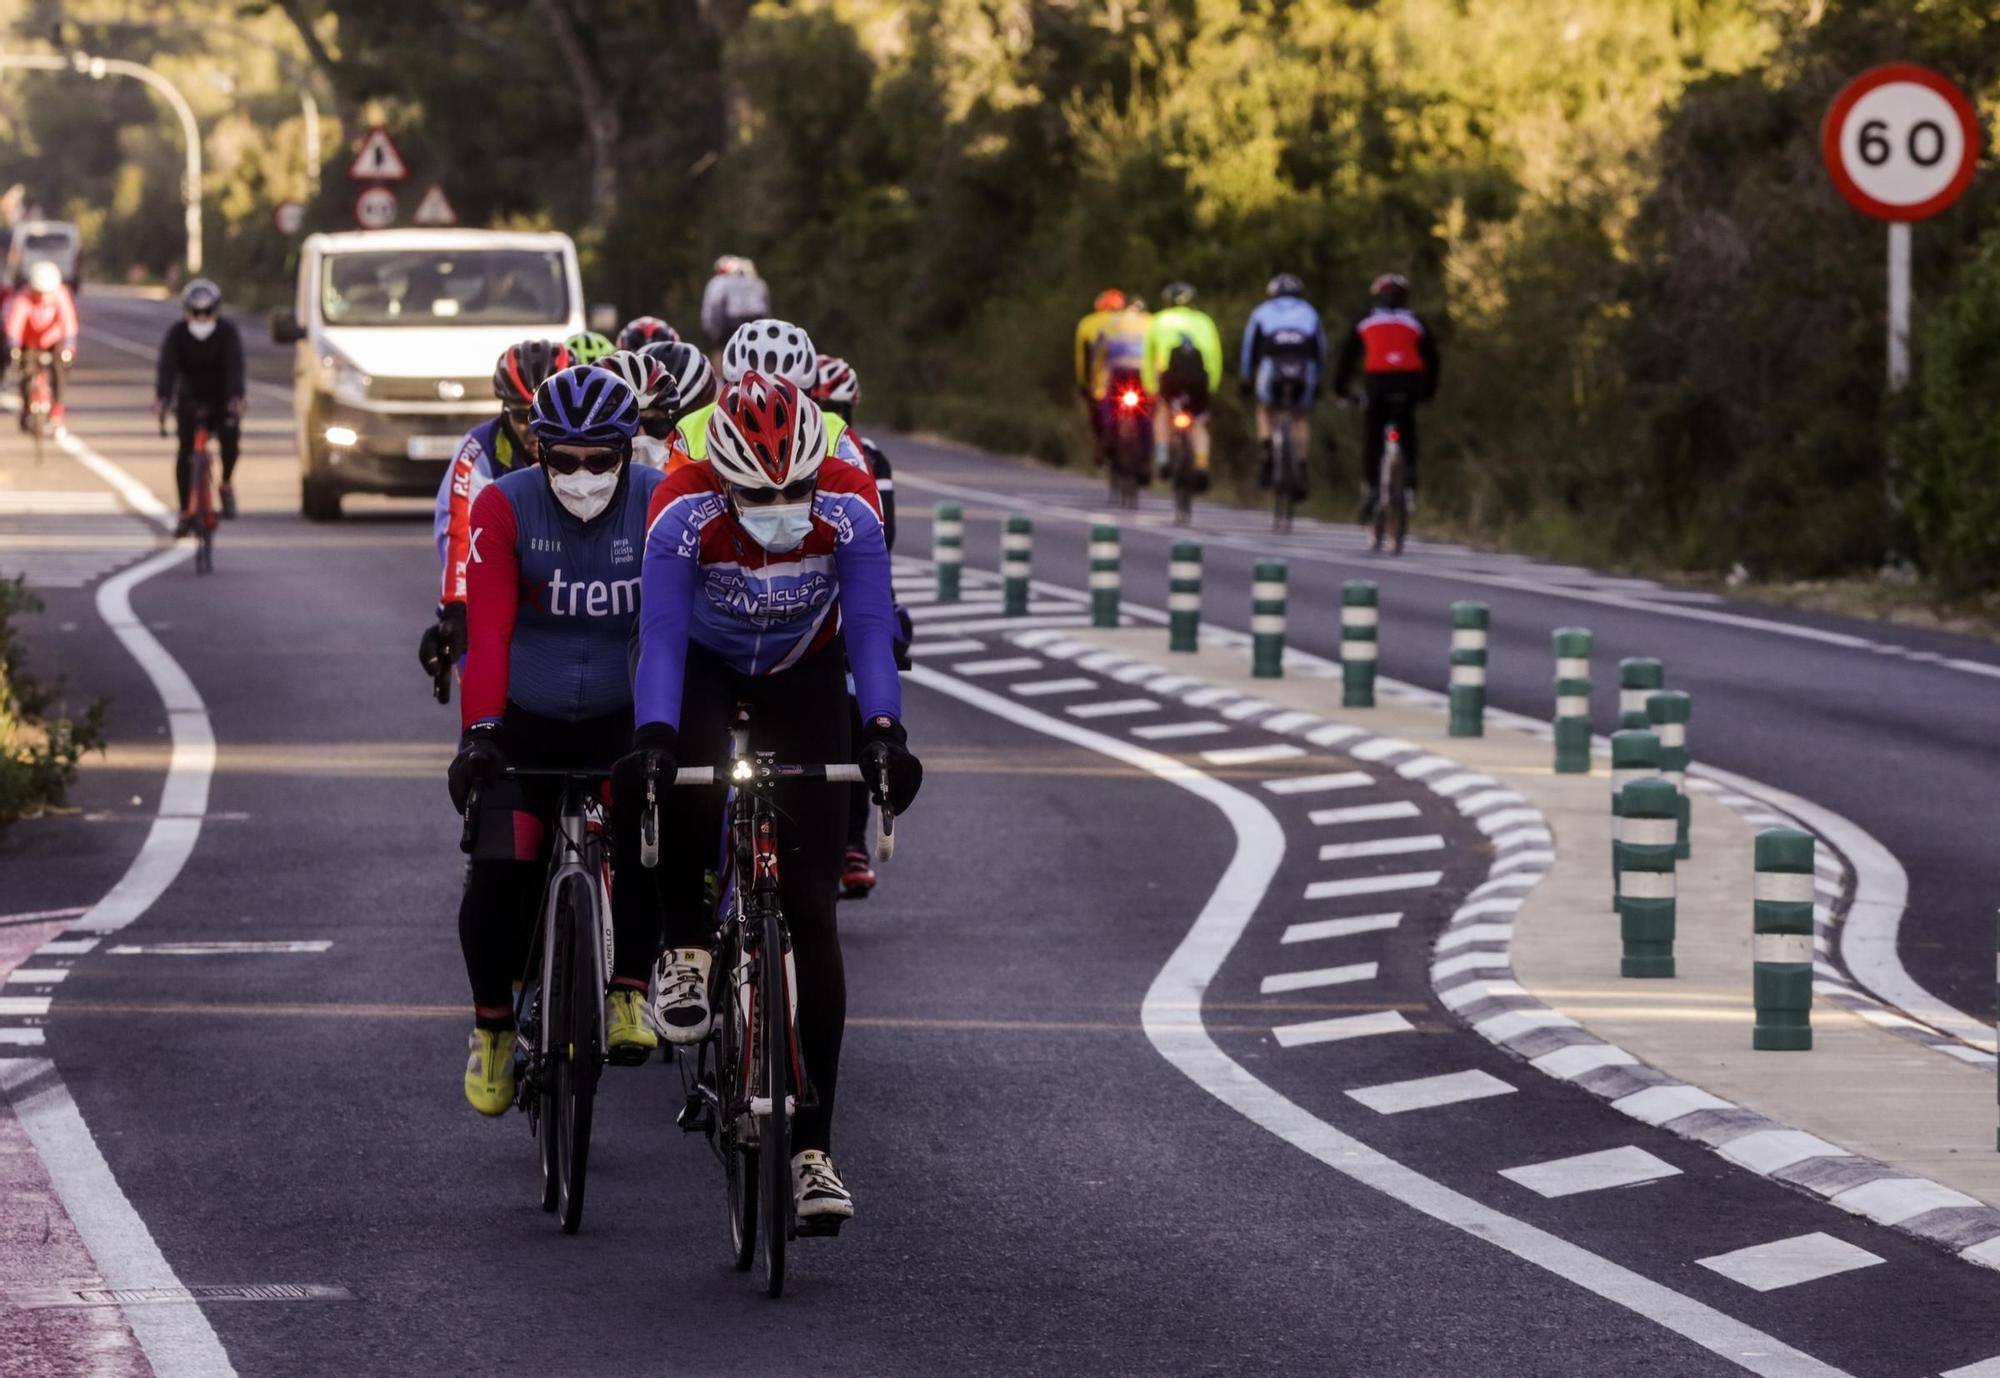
(1400,516)
(739,1160)
(1283,486)
(774,1139)
(578,1056)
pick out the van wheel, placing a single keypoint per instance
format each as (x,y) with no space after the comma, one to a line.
(319,500)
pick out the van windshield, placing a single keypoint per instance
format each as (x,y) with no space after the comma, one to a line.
(445,287)
(46,243)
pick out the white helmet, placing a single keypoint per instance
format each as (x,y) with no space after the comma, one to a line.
(44,276)
(775,348)
(765,433)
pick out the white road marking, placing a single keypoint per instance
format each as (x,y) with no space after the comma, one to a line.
(1339,928)
(1340,1028)
(178,1340)
(1115,708)
(1162,731)
(1658,1104)
(1425,1093)
(1572,1062)
(1317,784)
(21,1038)
(1892,1200)
(1365,813)
(218,949)
(1513,1023)
(1985,1368)
(1252,755)
(1171,1015)
(1381,846)
(67,947)
(945,648)
(36,915)
(1373,885)
(1312,980)
(996,667)
(954,627)
(1376,748)
(24,1005)
(1773,1150)
(977,606)
(1472,992)
(1469,961)
(36,976)
(1613,1167)
(1789,1262)
(1031,688)
(1475,933)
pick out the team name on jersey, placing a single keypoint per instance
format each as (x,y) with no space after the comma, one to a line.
(591,598)
(766,602)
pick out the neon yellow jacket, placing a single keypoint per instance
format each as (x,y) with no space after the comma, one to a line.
(1107,340)
(693,430)
(1168,329)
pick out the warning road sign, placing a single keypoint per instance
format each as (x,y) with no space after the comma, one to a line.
(375,208)
(378,159)
(434,209)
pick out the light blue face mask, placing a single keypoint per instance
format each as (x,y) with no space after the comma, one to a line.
(779,527)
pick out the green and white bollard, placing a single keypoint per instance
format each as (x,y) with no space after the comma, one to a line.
(1635,755)
(1645,858)
(1669,711)
(1104,578)
(1572,701)
(1017,544)
(1360,625)
(948,549)
(1468,669)
(1267,620)
(1184,597)
(1638,677)
(1781,943)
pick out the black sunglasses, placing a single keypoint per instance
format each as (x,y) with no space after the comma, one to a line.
(764,497)
(567,459)
(657,424)
(195,315)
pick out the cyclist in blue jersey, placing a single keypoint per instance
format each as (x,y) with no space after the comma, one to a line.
(766,577)
(490,449)
(1282,362)
(553,591)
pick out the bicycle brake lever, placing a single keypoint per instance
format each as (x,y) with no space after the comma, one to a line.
(467,833)
(885,831)
(649,821)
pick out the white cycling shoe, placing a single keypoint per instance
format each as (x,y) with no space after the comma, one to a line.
(817,1191)
(680,994)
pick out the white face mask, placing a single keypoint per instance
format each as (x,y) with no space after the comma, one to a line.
(779,527)
(583,493)
(201,330)
(649,452)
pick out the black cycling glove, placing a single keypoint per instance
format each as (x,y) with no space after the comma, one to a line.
(884,742)
(653,745)
(444,641)
(480,760)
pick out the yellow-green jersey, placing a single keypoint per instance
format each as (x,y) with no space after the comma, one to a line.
(1170,330)
(690,444)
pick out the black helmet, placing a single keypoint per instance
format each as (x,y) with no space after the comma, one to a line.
(1390,289)
(1177,294)
(524,367)
(1285,285)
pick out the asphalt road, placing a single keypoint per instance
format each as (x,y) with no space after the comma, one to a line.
(1040,1190)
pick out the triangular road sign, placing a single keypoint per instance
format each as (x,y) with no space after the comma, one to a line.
(378,159)
(434,209)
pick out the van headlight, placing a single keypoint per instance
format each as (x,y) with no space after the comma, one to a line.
(341,378)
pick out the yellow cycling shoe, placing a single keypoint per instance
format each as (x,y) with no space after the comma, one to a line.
(632,1040)
(489,1071)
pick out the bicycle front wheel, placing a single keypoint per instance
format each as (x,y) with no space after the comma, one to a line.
(577,1054)
(774,1143)
(732,1096)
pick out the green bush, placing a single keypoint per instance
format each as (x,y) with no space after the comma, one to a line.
(38,752)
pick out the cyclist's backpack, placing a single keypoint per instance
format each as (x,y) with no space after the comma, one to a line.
(1186,374)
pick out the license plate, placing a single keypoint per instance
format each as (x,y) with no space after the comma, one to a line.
(433,446)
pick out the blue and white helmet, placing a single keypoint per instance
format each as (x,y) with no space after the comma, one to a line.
(584,405)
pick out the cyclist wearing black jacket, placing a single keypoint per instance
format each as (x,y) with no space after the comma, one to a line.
(200,379)
(1397,357)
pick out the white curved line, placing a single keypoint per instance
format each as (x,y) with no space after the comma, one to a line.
(1171,1016)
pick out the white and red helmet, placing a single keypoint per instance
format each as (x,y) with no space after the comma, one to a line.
(834,383)
(765,433)
(774,348)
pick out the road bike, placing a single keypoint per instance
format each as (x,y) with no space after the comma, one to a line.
(744,1083)
(1289,400)
(1184,476)
(559,1010)
(1129,445)
(38,395)
(198,513)
(1391,517)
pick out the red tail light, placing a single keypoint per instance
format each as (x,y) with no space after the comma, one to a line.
(1395,436)
(1129,398)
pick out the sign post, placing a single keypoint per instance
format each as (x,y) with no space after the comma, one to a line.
(1901,143)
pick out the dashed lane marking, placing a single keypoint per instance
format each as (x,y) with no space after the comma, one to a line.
(1340,1028)
(1005,666)
(946,648)
(1312,980)
(1372,885)
(1381,846)
(1339,928)
(1164,731)
(1115,708)
(1426,1093)
(1364,813)
(1613,1167)
(1036,688)
(36,976)
(1253,755)
(1789,1262)
(1317,784)
(217,949)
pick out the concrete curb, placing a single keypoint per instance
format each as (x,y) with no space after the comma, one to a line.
(1472,970)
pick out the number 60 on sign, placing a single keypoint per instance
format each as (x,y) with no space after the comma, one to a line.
(1901,142)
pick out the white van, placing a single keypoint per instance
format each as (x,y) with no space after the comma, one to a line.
(397,332)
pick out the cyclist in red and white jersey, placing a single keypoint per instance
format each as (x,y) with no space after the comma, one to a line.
(1397,359)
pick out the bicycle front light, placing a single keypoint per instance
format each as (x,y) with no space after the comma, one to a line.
(741,771)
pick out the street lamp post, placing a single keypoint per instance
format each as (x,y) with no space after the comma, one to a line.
(98,68)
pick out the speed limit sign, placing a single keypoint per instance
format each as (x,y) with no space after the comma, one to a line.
(375,209)
(1901,142)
